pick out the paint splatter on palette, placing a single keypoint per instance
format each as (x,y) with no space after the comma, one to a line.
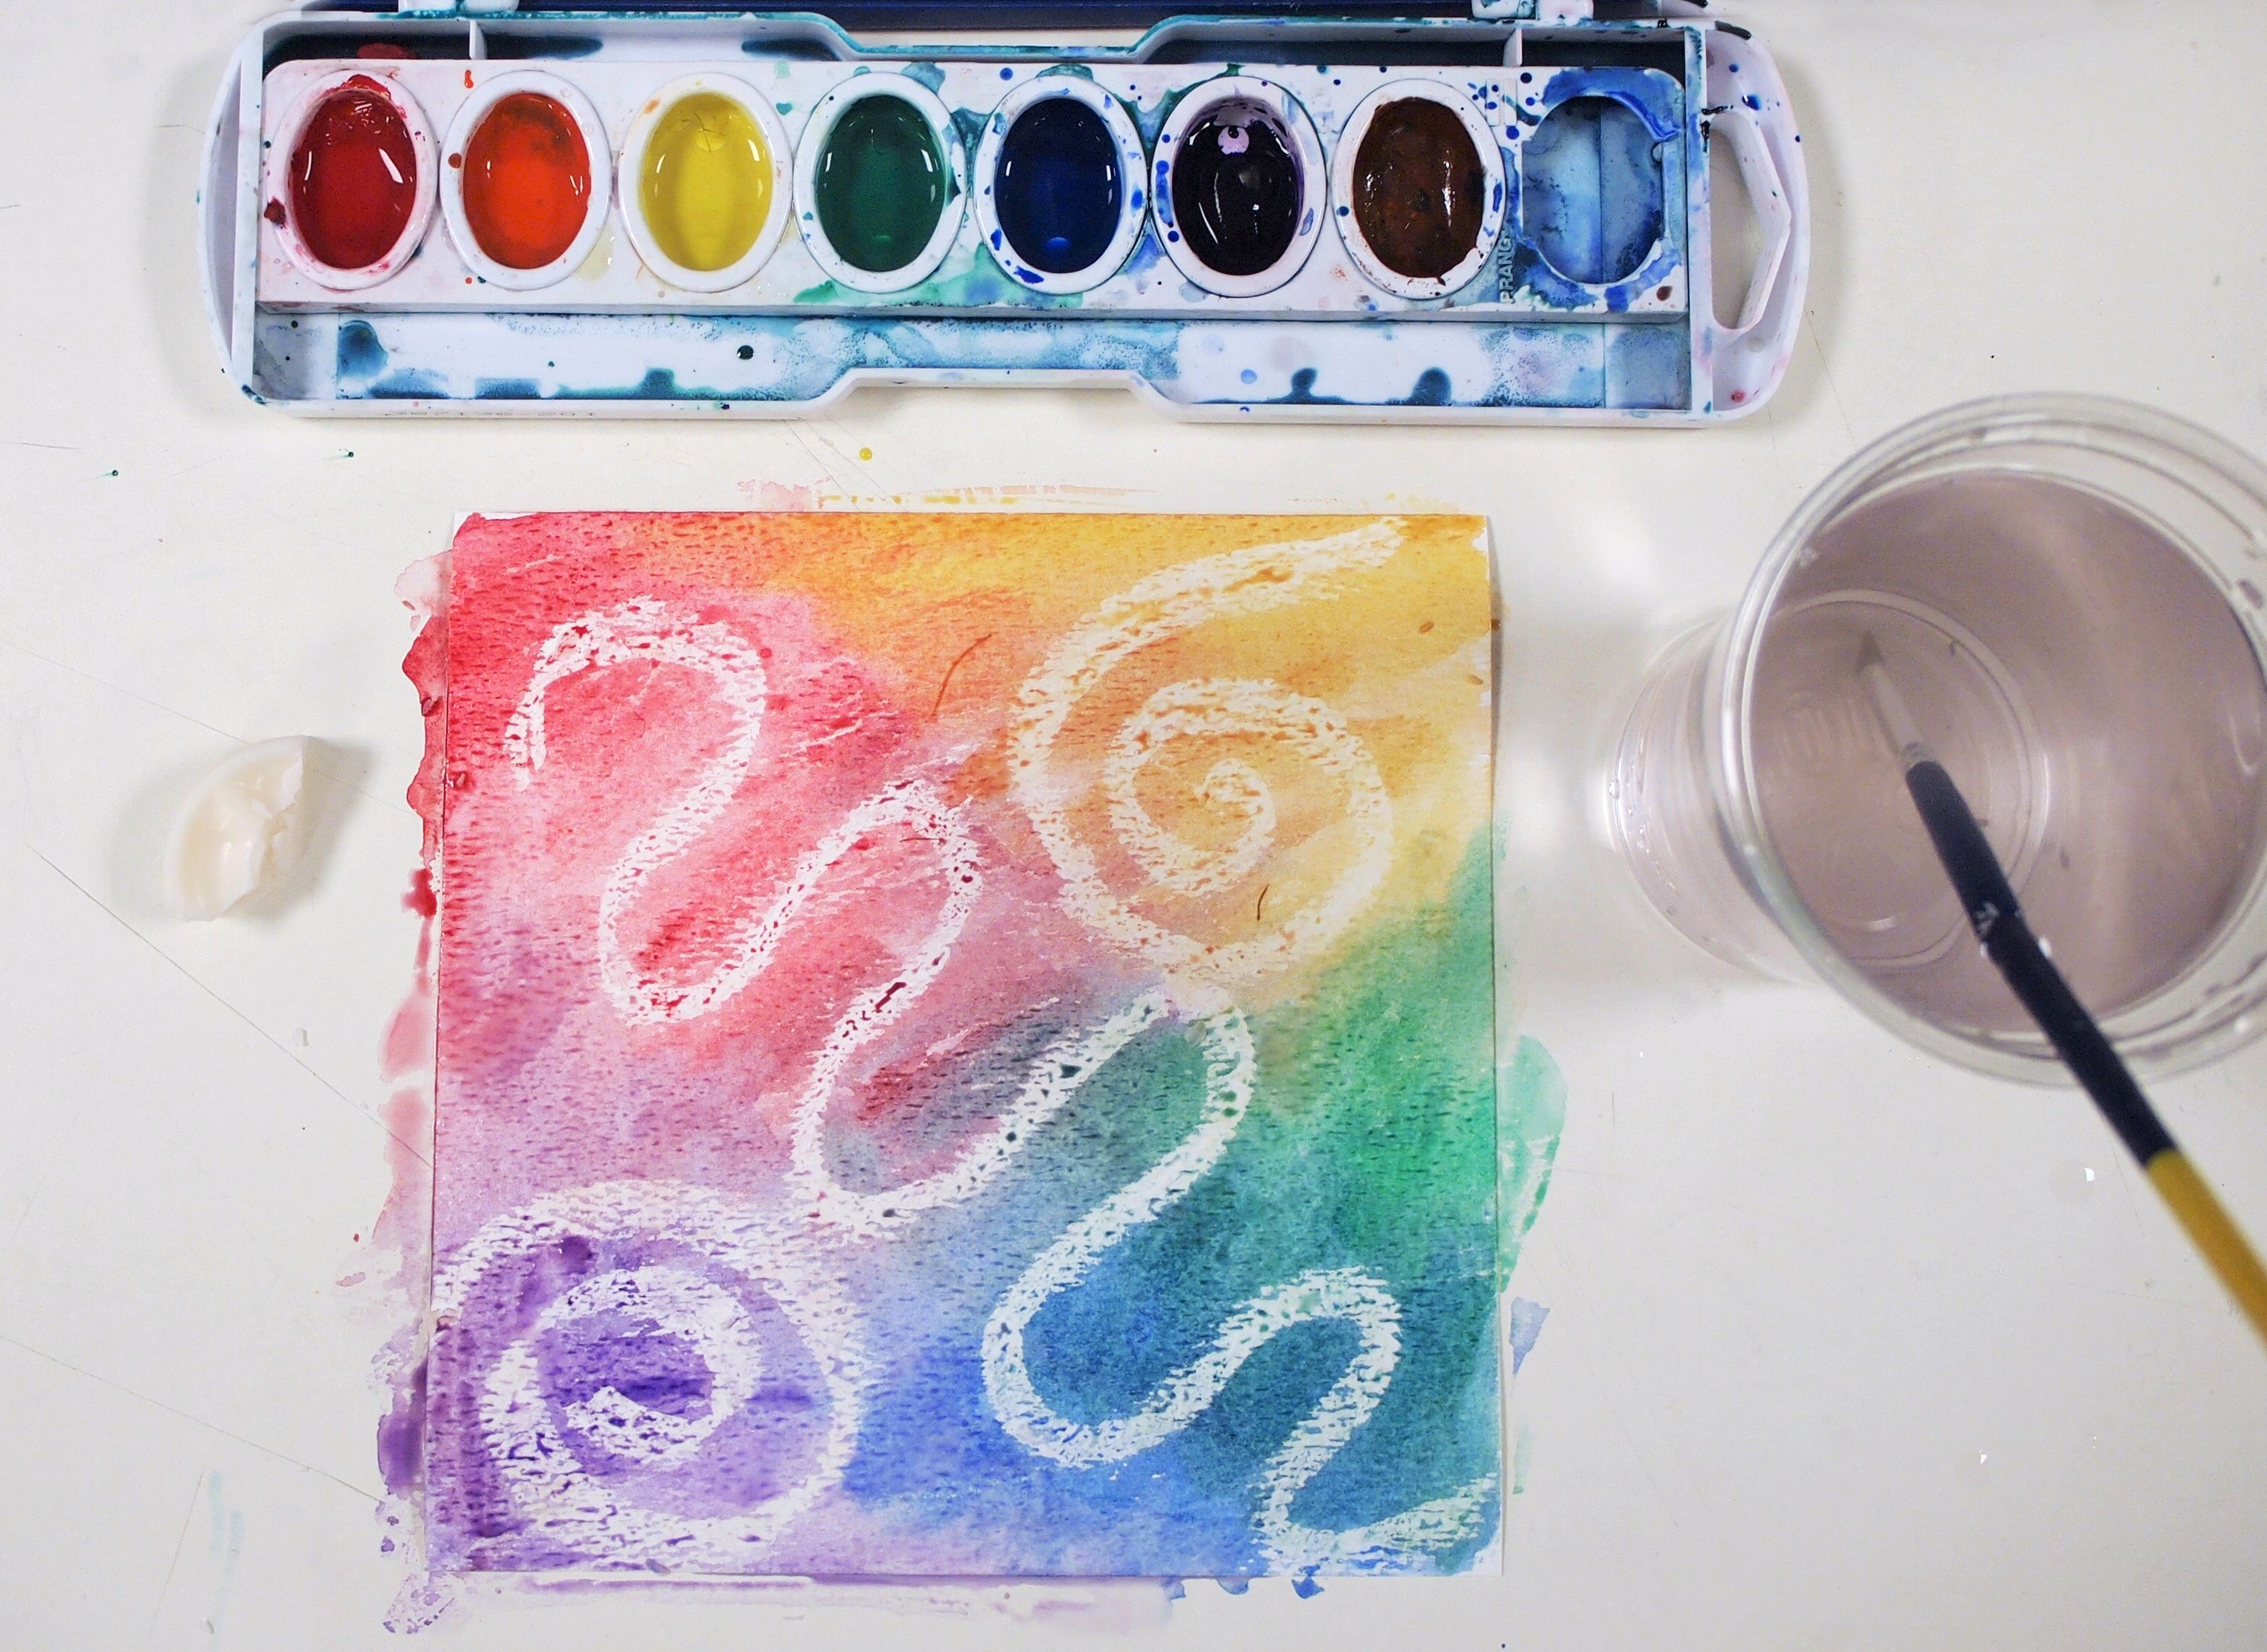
(966,1046)
(750,214)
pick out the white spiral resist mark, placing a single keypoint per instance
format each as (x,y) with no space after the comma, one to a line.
(547,1482)
(1342,1293)
(645,630)
(674,1303)
(1237,585)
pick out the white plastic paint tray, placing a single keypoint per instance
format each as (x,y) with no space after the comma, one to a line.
(1587,295)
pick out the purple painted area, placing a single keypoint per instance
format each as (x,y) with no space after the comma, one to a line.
(401,1438)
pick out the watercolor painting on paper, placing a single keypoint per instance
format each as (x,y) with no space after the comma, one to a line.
(966,1047)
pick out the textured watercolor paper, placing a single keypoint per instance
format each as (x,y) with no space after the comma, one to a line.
(966,1046)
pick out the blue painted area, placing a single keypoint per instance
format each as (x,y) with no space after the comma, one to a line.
(786,359)
(1601,218)
(407,384)
(1649,366)
(969,124)
(777,50)
(930,1450)
(543,46)
(1594,190)
(659,384)
(1523,1324)
(1150,121)
(1430,391)
(1302,392)
(506,390)
(360,354)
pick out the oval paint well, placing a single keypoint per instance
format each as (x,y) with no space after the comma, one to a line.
(526,180)
(880,186)
(1058,190)
(1594,196)
(353,177)
(1237,190)
(1418,188)
(705,182)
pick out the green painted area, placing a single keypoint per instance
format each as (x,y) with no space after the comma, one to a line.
(881,184)
(1530,1115)
(1372,1145)
(966,280)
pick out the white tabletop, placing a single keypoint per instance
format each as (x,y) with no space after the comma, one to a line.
(1844,1349)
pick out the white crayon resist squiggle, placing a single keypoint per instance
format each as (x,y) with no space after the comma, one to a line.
(646,630)
(1342,1294)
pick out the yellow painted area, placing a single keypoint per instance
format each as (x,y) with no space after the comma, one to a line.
(2213,1232)
(1400,652)
(706,181)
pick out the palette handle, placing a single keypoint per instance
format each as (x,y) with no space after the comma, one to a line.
(1748,108)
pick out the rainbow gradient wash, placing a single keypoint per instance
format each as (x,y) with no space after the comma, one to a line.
(966,1046)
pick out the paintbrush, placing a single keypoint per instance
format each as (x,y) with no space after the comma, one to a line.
(1998,922)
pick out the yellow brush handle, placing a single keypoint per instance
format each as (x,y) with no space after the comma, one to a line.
(2213,1232)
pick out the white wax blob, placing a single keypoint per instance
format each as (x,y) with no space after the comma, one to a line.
(239,827)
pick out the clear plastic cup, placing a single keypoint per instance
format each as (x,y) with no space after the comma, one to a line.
(2067,592)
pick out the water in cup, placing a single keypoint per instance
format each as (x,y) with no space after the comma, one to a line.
(2085,684)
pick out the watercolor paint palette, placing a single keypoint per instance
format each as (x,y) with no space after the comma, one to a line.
(1498,217)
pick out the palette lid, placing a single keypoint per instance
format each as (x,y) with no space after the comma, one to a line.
(1009,14)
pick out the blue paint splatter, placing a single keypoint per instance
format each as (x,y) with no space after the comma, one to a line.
(1525,1324)
(1431,390)
(1302,392)
(360,354)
